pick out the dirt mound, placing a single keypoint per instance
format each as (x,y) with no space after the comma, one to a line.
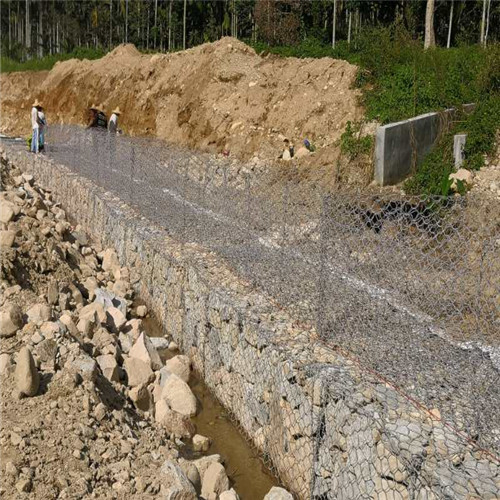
(216,96)
(125,50)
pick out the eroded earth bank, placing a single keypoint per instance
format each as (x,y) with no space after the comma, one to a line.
(214,97)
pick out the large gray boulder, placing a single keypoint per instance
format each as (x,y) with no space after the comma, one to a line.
(109,367)
(83,366)
(179,396)
(229,495)
(144,350)
(7,238)
(11,319)
(141,396)
(39,313)
(27,377)
(175,484)
(214,480)
(110,261)
(276,493)
(5,363)
(203,463)
(174,423)
(179,365)
(138,372)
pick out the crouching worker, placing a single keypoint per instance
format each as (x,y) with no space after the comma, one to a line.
(97,117)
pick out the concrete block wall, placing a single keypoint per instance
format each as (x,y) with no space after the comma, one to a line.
(401,146)
(330,428)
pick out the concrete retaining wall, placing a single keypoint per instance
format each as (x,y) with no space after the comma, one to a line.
(329,428)
(400,147)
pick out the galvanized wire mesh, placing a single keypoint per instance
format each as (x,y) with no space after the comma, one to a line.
(406,289)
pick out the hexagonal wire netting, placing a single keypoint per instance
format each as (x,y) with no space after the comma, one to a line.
(407,289)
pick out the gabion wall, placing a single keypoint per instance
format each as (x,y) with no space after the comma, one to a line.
(352,337)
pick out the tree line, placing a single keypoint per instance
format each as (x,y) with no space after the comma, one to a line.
(35,28)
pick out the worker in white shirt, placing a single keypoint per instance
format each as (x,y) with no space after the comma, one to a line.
(35,125)
(113,121)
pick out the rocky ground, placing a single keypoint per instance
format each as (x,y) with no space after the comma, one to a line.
(486,181)
(89,409)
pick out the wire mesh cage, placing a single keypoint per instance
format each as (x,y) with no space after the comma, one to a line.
(406,290)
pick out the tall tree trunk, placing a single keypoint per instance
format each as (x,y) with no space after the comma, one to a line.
(450,24)
(483,23)
(334,22)
(40,29)
(356,28)
(349,27)
(147,28)
(156,20)
(19,24)
(110,24)
(429,40)
(140,18)
(10,29)
(233,19)
(487,23)
(28,26)
(184,26)
(126,21)
(170,25)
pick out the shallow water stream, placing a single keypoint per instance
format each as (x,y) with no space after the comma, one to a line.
(248,475)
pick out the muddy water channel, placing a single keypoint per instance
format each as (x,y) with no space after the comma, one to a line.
(248,475)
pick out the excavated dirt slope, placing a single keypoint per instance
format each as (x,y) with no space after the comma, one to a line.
(215,96)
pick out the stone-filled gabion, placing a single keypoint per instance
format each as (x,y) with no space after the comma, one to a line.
(295,367)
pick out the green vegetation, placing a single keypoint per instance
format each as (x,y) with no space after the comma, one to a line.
(400,80)
(352,143)
(480,127)
(8,65)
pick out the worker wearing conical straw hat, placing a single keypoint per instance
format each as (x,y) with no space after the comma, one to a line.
(92,116)
(97,117)
(102,119)
(35,126)
(113,120)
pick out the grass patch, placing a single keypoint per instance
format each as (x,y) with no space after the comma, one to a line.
(8,65)
(352,143)
(480,126)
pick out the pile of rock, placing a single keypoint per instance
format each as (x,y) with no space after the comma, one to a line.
(89,408)
(485,182)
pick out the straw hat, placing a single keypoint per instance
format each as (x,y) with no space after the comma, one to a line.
(93,107)
(116,111)
(101,108)
(37,104)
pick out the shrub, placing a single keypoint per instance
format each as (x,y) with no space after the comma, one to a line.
(352,144)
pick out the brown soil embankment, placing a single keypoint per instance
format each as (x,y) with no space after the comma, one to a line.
(216,96)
